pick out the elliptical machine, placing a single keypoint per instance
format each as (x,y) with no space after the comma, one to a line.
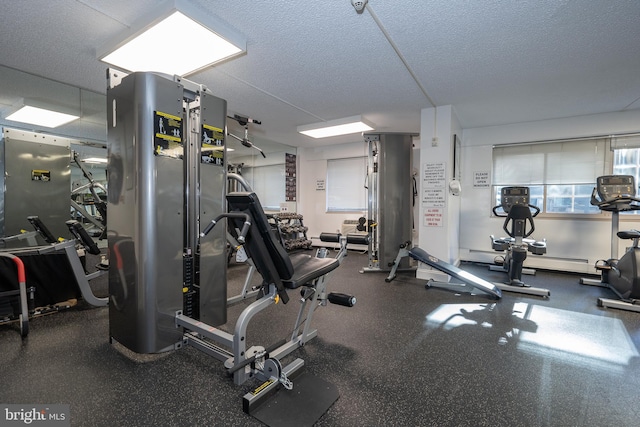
(615,194)
(517,213)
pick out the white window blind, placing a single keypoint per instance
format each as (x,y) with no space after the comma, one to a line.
(345,184)
(268,182)
(563,162)
(625,142)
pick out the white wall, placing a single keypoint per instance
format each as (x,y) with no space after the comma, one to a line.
(572,245)
(312,204)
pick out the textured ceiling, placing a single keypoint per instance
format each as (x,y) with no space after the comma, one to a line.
(495,61)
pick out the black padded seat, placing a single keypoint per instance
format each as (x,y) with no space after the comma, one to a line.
(273,263)
(307,268)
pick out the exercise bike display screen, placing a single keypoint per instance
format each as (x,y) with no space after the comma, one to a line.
(613,187)
(510,196)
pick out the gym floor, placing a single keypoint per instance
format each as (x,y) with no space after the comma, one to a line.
(402,356)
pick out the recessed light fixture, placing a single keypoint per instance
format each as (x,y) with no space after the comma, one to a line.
(180,40)
(337,127)
(95,160)
(42,114)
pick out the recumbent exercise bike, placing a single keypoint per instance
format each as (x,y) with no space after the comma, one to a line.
(615,194)
(518,225)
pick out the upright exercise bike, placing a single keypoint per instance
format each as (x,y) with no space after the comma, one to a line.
(615,194)
(518,225)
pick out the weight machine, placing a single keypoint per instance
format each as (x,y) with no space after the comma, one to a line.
(167,278)
(389,192)
(38,237)
(100,205)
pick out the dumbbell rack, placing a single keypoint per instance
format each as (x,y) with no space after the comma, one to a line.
(293,232)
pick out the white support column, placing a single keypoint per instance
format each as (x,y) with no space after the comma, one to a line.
(438,221)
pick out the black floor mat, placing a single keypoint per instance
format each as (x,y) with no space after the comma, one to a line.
(302,406)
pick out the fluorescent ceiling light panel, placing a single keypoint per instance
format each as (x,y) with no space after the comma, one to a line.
(96,160)
(344,126)
(180,41)
(41,116)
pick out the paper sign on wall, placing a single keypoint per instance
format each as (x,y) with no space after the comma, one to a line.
(433,185)
(481,179)
(433,217)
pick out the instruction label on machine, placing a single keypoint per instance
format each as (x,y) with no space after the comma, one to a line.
(212,145)
(167,129)
(40,175)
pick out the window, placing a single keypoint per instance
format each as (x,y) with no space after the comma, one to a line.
(560,175)
(346,184)
(268,182)
(626,158)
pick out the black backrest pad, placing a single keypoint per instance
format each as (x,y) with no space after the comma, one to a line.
(264,249)
(520,214)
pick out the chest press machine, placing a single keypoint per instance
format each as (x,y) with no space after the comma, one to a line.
(167,280)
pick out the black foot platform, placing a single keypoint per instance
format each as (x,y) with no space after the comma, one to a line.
(301,406)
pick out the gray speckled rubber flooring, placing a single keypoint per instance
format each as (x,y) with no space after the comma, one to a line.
(403,356)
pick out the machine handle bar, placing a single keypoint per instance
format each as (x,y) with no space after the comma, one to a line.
(245,228)
(19,266)
(609,205)
(536,210)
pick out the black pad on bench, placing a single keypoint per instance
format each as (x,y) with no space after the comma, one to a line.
(355,239)
(81,234)
(330,237)
(308,268)
(269,256)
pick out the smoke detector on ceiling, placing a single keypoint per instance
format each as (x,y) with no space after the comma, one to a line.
(359,5)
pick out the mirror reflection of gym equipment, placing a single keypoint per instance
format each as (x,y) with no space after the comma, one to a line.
(168,281)
(35,177)
(615,194)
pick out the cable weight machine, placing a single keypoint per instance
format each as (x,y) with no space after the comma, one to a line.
(389,192)
(168,219)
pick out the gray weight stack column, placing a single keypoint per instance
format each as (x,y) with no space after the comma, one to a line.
(212,177)
(146,211)
(390,197)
